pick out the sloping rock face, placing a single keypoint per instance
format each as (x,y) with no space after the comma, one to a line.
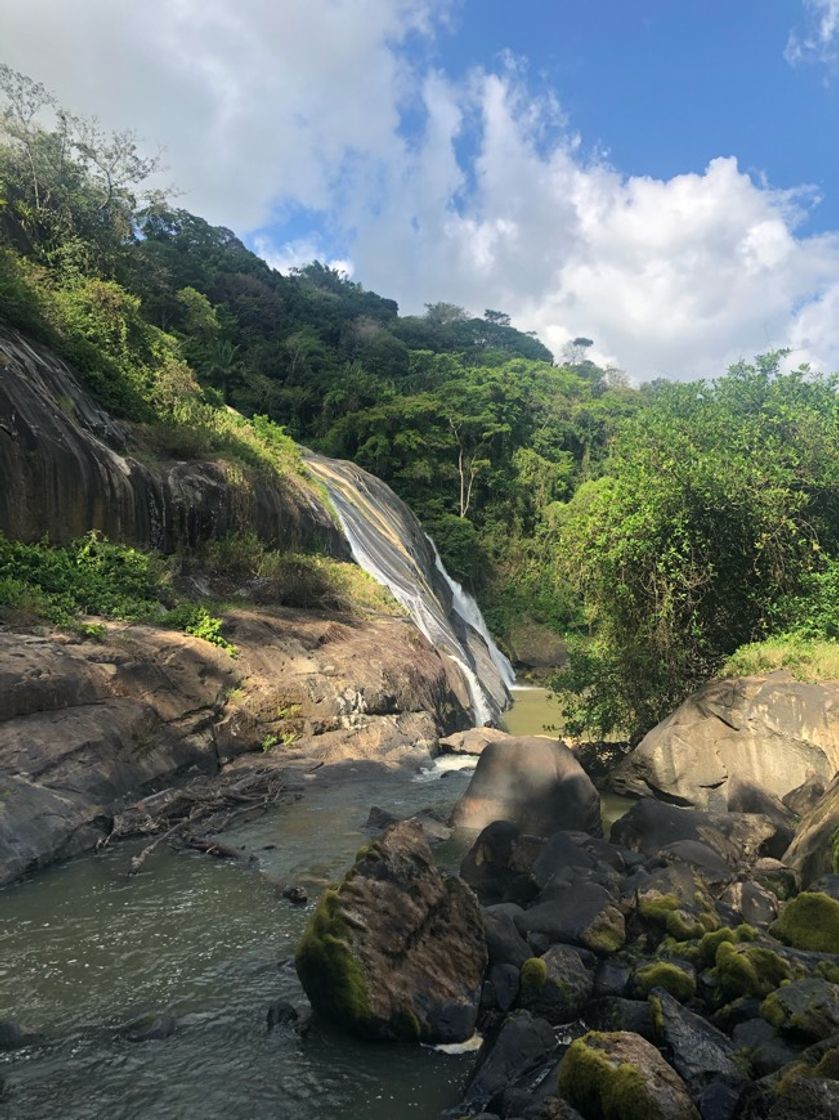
(396,952)
(67,467)
(533,782)
(735,739)
(86,724)
(814,850)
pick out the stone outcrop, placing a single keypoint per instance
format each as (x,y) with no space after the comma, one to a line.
(68,467)
(734,737)
(533,782)
(86,724)
(814,850)
(396,952)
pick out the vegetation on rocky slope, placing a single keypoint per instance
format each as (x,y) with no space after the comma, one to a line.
(659,529)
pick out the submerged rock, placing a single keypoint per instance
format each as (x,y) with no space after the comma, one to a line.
(535,783)
(396,952)
(14,1037)
(151,1028)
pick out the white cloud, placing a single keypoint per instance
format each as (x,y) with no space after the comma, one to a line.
(820,41)
(268,107)
(295,254)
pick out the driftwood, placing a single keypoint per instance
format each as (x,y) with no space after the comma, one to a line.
(214,803)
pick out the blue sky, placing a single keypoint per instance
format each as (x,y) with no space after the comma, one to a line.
(659,176)
(666,85)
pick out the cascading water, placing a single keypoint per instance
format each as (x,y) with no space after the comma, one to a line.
(470,612)
(388,542)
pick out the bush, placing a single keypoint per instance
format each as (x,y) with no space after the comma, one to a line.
(95,576)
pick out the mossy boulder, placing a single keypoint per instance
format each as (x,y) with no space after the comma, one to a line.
(557,985)
(810,921)
(808,1007)
(748,970)
(396,952)
(620,1076)
(678,980)
(577,912)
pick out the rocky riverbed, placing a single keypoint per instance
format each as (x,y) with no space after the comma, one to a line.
(685,967)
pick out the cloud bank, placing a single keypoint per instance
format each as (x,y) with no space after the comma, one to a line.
(327,120)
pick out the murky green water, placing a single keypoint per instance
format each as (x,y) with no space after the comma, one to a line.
(85,949)
(532,713)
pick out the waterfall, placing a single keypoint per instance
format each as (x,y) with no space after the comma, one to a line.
(464,604)
(388,542)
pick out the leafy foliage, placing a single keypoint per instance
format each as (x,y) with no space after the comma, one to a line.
(717,503)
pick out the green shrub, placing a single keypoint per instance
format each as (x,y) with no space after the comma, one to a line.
(94,576)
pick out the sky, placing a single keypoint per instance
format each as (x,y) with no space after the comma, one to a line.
(661,176)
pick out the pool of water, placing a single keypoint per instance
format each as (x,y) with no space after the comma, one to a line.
(84,949)
(532,712)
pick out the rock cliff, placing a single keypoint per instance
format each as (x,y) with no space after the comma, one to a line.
(68,467)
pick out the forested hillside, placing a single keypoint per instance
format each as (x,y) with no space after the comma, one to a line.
(661,528)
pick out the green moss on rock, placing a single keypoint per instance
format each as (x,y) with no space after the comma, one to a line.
(598,1087)
(667,910)
(330,974)
(810,921)
(662,974)
(534,974)
(748,970)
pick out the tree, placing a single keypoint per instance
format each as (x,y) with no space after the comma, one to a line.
(71,187)
(716,502)
(497,318)
(444,314)
(574,352)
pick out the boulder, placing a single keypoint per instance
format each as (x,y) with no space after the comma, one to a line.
(535,783)
(613,1013)
(812,852)
(577,913)
(809,921)
(653,826)
(505,945)
(499,865)
(523,1044)
(806,796)
(565,851)
(808,1007)
(751,903)
(620,1076)
(772,733)
(695,1049)
(807,1098)
(472,741)
(396,952)
(556,985)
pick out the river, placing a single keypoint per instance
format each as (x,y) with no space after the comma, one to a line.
(84,950)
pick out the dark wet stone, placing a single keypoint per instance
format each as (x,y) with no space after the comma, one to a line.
(612,1013)
(523,1043)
